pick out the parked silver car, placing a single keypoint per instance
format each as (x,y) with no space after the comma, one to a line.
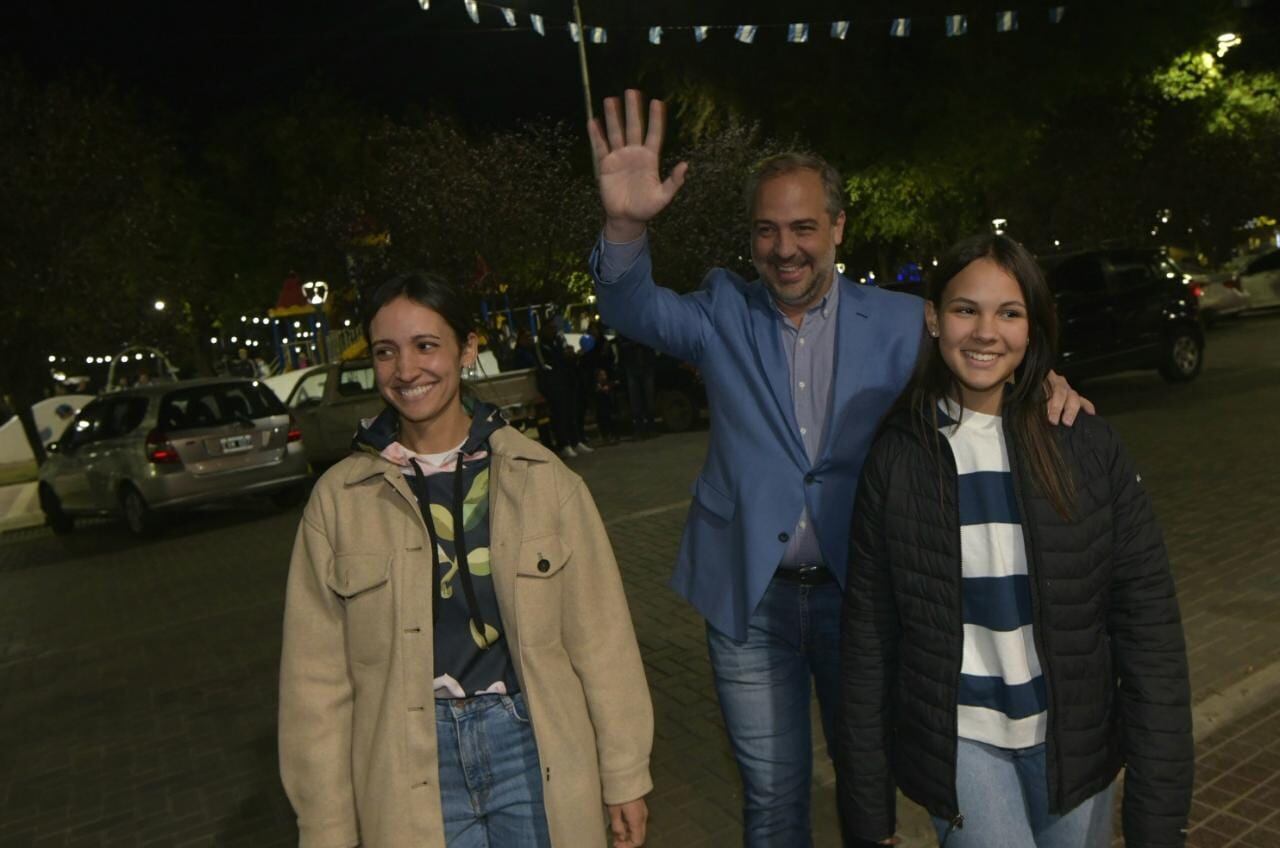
(328,404)
(1220,292)
(135,452)
(1260,277)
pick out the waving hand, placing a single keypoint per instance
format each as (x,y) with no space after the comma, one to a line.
(631,189)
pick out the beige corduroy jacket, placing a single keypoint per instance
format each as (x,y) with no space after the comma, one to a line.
(357,722)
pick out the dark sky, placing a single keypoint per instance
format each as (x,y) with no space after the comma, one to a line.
(203,60)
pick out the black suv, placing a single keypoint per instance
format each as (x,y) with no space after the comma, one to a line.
(1120,309)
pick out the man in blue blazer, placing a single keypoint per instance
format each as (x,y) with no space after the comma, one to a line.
(800,366)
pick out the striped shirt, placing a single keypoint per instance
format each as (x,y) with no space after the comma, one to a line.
(1002,694)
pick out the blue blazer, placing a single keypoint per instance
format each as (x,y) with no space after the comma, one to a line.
(757,475)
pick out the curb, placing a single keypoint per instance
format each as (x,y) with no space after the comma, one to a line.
(1221,709)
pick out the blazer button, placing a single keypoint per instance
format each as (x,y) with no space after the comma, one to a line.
(809,478)
(544,566)
(783,537)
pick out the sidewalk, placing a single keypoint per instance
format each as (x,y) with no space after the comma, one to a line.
(1237,795)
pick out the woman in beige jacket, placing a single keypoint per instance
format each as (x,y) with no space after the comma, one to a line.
(459,665)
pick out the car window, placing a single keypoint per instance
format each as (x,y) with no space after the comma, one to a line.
(310,389)
(354,380)
(1078,275)
(121,417)
(84,427)
(1129,277)
(217,404)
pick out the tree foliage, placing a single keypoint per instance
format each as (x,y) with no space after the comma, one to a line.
(89,223)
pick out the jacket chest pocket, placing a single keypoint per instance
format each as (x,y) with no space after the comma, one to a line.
(363,582)
(540,578)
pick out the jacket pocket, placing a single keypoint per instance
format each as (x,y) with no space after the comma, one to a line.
(540,576)
(362,581)
(713,500)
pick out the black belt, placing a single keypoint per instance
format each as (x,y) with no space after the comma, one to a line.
(806,574)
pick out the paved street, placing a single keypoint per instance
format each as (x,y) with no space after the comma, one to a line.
(138,678)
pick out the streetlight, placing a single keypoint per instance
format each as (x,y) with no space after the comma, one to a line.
(1226,41)
(159,306)
(999,224)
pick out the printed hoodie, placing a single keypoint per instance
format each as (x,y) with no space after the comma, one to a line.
(471,653)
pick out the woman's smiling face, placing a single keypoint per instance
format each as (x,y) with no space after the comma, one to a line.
(417,360)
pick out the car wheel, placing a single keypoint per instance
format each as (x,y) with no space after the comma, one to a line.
(137,515)
(1183,357)
(59,522)
(676,409)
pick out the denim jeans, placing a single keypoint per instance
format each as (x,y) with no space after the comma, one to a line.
(490,779)
(1004,798)
(763,686)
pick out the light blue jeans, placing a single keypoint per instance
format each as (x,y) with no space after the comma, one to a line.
(1004,798)
(763,686)
(490,779)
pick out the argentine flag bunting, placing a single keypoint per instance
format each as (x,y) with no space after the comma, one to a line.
(746,33)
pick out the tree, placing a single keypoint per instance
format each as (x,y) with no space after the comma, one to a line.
(87,223)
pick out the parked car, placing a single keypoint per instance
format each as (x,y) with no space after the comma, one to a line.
(679,395)
(1220,292)
(1123,309)
(328,403)
(1260,278)
(139,451)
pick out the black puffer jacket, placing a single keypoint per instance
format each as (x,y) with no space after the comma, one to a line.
(1107,631)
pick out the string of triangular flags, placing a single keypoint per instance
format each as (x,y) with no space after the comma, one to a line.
(797,33)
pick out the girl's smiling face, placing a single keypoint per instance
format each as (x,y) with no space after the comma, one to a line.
(982,331)
(418,361)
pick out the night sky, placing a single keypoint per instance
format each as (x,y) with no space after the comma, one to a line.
(194,65)
(201,60)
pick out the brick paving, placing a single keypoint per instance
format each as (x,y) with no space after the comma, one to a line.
(138,679)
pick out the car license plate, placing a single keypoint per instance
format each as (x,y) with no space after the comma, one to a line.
(233,444)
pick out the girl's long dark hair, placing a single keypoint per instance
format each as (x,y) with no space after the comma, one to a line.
(1025,401)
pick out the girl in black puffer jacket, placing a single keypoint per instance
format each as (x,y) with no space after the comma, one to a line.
(1011,635)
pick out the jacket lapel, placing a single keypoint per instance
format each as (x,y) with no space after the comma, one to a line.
(853,351)
(773,364)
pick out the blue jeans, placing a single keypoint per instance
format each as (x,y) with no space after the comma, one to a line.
(763,686)
(1004,798)
(490,779)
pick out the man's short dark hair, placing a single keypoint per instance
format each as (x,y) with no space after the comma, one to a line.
(789,162)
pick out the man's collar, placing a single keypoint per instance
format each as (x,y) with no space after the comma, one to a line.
(827,305)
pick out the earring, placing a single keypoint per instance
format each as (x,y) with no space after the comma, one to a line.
(933,333)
